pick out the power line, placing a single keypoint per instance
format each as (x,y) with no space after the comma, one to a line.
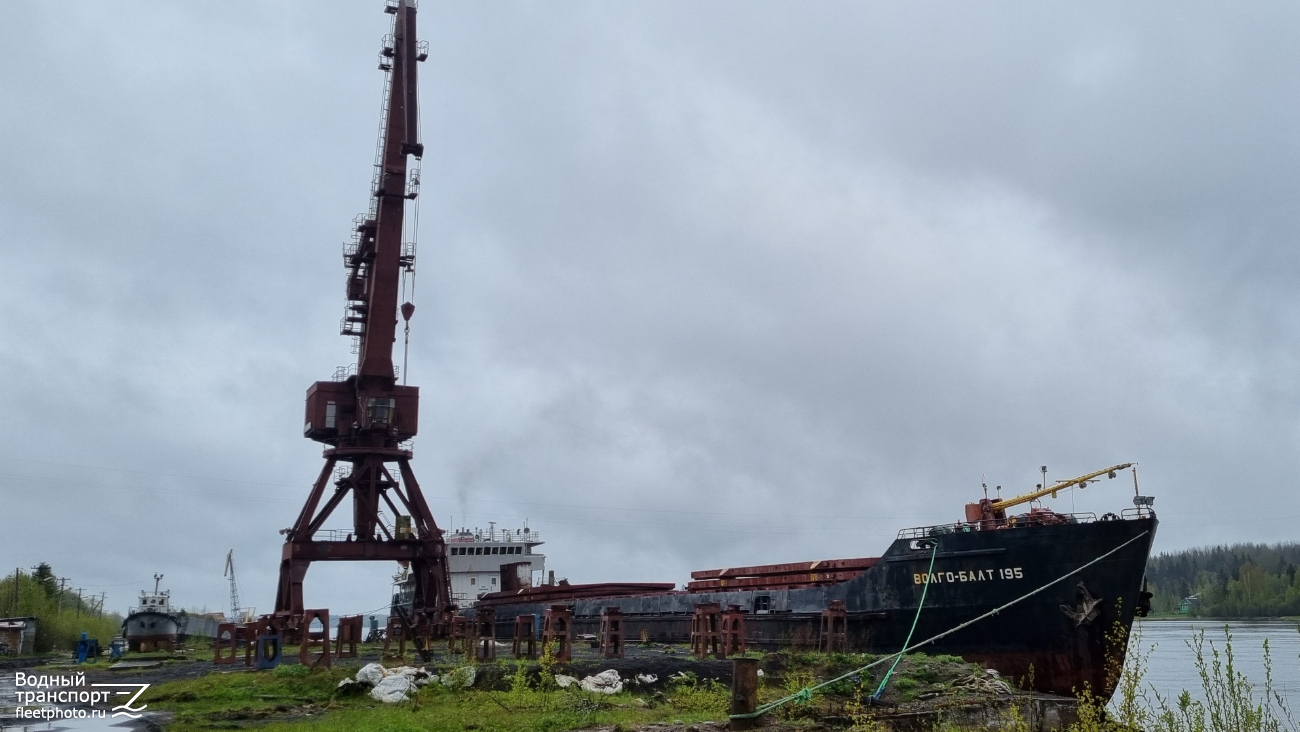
(443,496)
(144,472)
(449,497)
(124,584)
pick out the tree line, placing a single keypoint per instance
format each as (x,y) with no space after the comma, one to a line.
(1237,581)
(61,614)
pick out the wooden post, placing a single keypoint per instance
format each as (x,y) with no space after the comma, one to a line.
(744,691)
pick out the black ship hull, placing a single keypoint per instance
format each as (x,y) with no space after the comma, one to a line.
(1069,635)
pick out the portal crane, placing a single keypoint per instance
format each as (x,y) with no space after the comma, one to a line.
(363,416)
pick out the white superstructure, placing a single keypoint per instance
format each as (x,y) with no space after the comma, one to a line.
(475,559)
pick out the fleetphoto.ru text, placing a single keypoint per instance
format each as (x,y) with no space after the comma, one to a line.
(50,697)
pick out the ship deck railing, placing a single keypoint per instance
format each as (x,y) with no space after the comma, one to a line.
(500,535)
(923,532)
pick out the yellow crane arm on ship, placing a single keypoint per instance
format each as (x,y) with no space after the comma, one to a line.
(1002,505)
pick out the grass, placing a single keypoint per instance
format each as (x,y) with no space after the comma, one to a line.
(295,698)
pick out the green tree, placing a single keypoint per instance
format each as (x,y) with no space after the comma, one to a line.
(57,626)
(44,574)
(1239,580)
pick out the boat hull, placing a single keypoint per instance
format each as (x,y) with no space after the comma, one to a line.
(150,631)
(1069,634)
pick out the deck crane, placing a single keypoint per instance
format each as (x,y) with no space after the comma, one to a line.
(364,417)
(993,513)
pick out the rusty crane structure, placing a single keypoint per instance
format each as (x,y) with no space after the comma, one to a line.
(364,416)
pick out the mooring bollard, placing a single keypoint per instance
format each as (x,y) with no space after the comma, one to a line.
(744,691)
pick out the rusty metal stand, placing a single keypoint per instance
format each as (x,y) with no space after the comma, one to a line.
(485,645)
(834,637)
(312,639)
(611,633)
(705,631)
(221,645)
(349,637)
(733,631)
(458,637)
(248,634)
(524,645)
(395,631)
(278,624)
(557,633)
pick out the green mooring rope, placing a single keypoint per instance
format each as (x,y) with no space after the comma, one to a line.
(804,695)
(934,551)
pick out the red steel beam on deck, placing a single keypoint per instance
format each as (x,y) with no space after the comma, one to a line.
(822,565)
(771,582)
(549,593)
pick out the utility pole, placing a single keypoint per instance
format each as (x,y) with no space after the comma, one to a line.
(18,573)
(33,576)
(62,581)
(102,596)
(79,589)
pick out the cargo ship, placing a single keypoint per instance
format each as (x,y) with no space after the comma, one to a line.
(1038,596)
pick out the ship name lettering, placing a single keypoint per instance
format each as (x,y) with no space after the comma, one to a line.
(968,575)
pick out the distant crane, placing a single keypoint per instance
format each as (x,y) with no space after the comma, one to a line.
(229,571)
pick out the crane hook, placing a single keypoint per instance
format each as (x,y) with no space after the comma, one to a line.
(407,311)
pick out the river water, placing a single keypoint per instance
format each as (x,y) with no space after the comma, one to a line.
(1171,666)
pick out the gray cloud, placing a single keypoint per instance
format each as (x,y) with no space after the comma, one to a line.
(698,285)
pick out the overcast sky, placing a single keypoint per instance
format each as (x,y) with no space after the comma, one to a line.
(699,284)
